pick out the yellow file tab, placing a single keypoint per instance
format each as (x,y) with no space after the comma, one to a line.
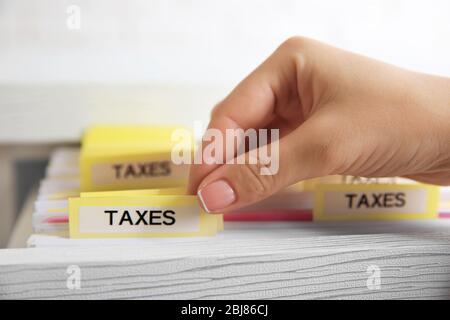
(131,157)
(137,216)
(375,202)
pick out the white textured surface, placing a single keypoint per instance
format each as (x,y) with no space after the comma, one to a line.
(249,260)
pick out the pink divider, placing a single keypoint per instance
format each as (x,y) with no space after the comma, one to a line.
(272,215)
(282,215)
(57,220)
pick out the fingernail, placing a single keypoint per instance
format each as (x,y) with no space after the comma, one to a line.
(216,196)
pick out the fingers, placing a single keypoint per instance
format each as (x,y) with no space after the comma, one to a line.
(252,104)
(303,154)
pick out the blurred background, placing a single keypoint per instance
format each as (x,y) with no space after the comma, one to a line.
(67,64)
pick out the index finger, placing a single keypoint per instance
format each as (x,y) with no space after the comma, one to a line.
(251,104)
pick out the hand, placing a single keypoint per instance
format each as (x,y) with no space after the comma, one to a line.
(338,113)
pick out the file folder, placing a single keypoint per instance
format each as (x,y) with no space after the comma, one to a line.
(131,157)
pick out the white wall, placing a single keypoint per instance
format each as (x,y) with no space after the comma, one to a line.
(170,47)
(207,42)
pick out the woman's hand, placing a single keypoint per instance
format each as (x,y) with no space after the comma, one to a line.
(338,113)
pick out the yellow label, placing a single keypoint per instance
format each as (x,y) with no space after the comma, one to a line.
(445,205)
(135,217)
(135,193)
(311,184)
(132,157)
(112,140)
(131,172)
(375,202)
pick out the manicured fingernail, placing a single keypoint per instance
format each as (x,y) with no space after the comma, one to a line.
(216,196)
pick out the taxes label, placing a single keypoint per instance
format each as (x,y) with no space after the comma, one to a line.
(131,172)
(132,157)
(149,216)
(376,202)
(137,219)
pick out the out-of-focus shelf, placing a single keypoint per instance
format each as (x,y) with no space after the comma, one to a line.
(64,111)
(23,227)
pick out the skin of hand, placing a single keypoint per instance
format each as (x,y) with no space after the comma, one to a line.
(338,113)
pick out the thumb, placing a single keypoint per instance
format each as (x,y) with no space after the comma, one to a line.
(255,175)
